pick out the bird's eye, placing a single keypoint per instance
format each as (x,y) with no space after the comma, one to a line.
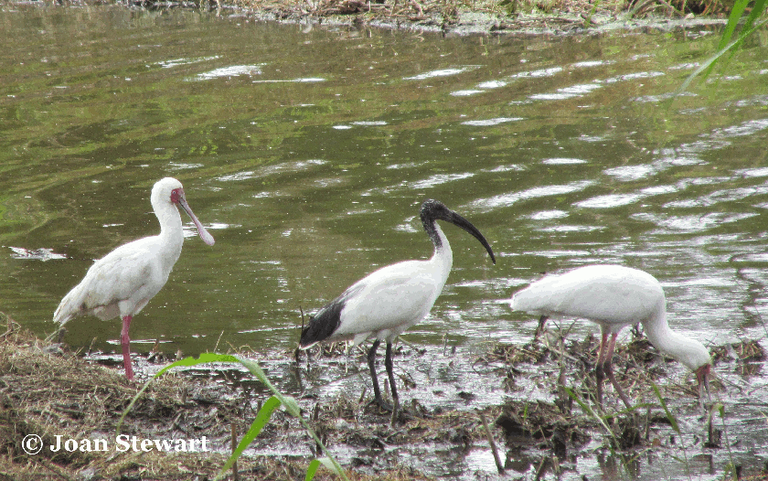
(175,195)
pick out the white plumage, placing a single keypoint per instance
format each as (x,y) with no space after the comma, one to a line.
(391,299)
(614,297)
(122,282)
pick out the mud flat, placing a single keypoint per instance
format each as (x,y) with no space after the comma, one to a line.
(540,431)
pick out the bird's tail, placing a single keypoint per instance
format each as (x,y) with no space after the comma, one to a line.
(524,301)
(69,307)
(322,325)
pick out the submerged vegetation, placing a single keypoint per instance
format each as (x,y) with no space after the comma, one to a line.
(56,394)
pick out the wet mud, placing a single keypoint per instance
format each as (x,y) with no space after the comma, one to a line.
(460,403)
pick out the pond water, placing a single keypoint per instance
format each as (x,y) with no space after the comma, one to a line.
(307,152)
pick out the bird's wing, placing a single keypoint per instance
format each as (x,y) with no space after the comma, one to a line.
(392,298)
(611,294)
(128,272)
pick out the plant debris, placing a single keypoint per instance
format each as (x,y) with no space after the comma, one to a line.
(47,391)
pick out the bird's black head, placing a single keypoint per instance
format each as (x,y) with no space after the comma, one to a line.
(434,210)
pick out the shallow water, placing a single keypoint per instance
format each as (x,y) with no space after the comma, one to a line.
(307,152)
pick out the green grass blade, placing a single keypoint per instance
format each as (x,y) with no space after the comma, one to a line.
(733,20)
(290,403)
(758,9)
(585,407)
(262,418)
(670,417)
(187,361)
(711,61)
(315,465)
(724,46)
(293,408)
(312,469)
(277,399)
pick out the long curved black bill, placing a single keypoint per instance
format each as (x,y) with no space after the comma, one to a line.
(460,221)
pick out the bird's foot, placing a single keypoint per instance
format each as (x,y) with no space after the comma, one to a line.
(384,405)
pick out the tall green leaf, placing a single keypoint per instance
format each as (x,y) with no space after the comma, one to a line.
(262,417)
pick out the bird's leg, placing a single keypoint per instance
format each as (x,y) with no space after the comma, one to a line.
(599,368)
(540,327)
(126,343)
(609,371)
(702,376)
(372,368)
(393,388)
(62,331)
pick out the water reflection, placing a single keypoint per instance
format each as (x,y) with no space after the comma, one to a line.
(309,156)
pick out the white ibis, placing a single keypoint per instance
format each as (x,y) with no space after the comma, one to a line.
(613,297)
(122,282)
(391,299)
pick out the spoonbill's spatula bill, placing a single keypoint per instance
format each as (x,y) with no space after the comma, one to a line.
(391,299)
(122,282)
(613,297)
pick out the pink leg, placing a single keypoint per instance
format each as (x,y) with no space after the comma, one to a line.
(126,342)
(599,368)
(609,371)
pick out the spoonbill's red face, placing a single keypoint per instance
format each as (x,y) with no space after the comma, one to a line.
(177,195)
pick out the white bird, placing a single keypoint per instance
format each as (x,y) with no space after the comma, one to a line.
(613,297)
(391,299)
(122,282)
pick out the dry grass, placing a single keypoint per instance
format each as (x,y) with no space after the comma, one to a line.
(505,14)
(47,391)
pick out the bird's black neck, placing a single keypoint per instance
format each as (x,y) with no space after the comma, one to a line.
(430,225)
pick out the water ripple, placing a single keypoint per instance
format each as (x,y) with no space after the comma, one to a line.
(548,214)
(438,179)
(491,122)
(506,200)
(725,195)
(231,71)
(691,223)
(271,170)
(466,93)
(609,201)
(631,172)
(567,92)
(445,72)
(42,254)
(184,61)
(746,128)
(563,161)
(293,80)
(633,76)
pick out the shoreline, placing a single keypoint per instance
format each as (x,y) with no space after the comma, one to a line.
(450,18)
(512,393)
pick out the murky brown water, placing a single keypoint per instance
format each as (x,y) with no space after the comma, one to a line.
(307,153)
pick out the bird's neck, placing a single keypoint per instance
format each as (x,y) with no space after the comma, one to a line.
(171,232)
(443,256)
(670,342)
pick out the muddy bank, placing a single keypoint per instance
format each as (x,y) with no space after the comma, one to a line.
(541,432)
(487,17)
